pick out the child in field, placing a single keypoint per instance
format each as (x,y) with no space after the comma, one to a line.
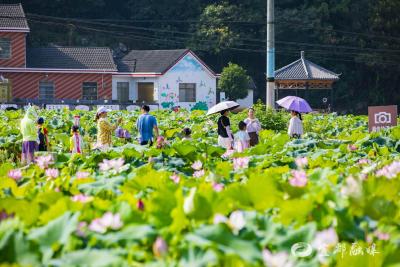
(242,138)
(43,139)
(187,134)
(76,141)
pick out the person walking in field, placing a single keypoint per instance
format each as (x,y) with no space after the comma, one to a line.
(295,129)
(253,127)
(29,136)
(146,124)
(76,141)
(43,139)
(225,136)
(104,129)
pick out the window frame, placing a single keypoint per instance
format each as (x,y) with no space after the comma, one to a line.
(6,39)
(128,85)
(91,95)
(188,86)
(46,95)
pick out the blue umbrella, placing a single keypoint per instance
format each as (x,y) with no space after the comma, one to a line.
(294,103)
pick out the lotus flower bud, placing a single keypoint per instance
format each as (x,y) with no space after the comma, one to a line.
(140,205)
(188,204)
(160,247)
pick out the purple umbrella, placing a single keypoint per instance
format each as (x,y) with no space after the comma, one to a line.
(294,103)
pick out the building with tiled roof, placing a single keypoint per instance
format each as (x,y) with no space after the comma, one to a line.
(69,58)
(303,69)
(90,75)
(308,80)
(12,18)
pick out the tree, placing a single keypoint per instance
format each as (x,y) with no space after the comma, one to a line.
(234,82)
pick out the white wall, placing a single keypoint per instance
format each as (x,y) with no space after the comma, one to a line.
(133,91)
(187,70)
(248,101)
(166,87)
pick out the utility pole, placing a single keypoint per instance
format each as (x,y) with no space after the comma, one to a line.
(270,54)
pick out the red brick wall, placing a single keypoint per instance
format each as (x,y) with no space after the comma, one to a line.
(18,50)
(67,85)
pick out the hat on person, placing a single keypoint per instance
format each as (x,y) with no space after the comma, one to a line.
(102,110)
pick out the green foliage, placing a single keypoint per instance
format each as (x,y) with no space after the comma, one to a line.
(156,194)
(271,119)
(234,82)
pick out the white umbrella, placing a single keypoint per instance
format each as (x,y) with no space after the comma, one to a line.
(223,106)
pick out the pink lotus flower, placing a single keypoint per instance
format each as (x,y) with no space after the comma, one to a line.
(198,174)
(325,238)
(390,171)
(301,162)
(241,163)
(57,189)
(82,175)
(352,188)
(280,259)
(236,221)
(112,221)
(140,205)
(175,177)
(299,179)
(52,173)
(97,226)
(160,247)
(113,165)
(81,228)
(228,153)
(351,147)
(219,218)
(382,236)
(364,161)
(109,220)
(81,198)
(197,165)
(218,187)
(15,174)
(44,161)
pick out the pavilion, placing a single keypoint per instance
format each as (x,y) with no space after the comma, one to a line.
(308,80)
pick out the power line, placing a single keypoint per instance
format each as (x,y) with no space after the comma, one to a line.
(281,51)
(241,39)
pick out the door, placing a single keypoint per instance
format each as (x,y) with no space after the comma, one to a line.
(5,92)
(146,92)
(123,92)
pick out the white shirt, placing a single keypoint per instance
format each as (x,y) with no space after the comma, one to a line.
(295,126)
(252,125)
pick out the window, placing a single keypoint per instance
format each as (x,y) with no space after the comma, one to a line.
(5,48)
(46,90)
(89,91)
(123,91)
(187,92)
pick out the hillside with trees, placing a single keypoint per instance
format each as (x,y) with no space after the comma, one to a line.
(358,39)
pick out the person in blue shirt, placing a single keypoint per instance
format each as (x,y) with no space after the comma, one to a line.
(146,123)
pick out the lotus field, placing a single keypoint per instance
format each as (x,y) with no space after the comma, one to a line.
(328,199)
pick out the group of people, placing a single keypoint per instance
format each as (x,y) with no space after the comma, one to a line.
(246,137)
(248,134)
(35,136)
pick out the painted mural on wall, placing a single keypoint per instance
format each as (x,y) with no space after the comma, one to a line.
(188,70)
(188,64)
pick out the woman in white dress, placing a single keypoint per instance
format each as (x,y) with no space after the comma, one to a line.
(295,129)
